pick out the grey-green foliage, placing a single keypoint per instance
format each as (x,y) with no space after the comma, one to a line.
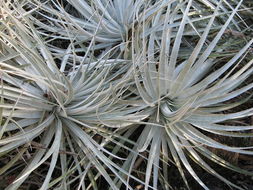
(187,101)
(85,108)
(64,110)
(105,24)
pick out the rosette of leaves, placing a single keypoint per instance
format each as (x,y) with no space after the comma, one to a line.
(189,101)
(108,25)
(57,115)
(104,23)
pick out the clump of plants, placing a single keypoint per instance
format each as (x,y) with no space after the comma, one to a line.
(111,94)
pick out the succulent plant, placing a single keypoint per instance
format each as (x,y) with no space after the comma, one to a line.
(189,102)
(53,115)
(108,25)
(138,80)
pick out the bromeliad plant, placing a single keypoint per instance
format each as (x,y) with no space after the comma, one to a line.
(55,116)
(108,25)
(85,114)
(104,23)
(189,103)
